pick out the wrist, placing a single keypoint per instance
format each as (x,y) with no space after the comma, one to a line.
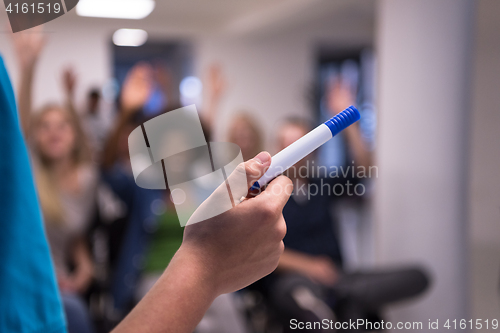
(28,65)
(194,272)
(179,299)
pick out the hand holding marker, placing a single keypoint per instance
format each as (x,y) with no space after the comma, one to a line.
(286,158)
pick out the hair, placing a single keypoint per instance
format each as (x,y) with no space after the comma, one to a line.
(254,128)
(45,178)
(298,122)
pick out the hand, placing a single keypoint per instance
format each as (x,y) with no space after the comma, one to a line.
(137,87)
(322,270)
(244,244)
(69,81)
(78,281)
(339,96)
(163,76)
(222,254)
(28,45)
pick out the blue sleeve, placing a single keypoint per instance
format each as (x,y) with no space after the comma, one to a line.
(29,298)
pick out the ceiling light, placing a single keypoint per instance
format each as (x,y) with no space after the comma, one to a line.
(190,87)
(120,9)
(130,37)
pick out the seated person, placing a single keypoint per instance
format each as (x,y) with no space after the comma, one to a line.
(66,182)
(309,284)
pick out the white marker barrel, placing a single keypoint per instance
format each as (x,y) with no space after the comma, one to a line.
(295,152)
(286,158)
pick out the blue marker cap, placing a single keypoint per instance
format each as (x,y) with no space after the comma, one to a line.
(342,120)
(255,186)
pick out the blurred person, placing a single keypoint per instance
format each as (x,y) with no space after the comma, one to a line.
(30,299)
(148,87)
(95,118)
(66,183)
(96,122)
(243,130)
(129,239)
(95,126)
(310,284)
(162,95)
(339,95)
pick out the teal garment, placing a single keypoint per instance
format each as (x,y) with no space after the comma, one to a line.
(29,298)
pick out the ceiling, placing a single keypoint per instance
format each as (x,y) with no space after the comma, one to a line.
(236,17)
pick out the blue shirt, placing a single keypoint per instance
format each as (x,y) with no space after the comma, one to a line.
(29,298)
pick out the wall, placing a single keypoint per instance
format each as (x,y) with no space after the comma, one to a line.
(266,78)
(484,181)
(424,64)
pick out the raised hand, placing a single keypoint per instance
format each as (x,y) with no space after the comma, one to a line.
(339,95)
(28,45)
(216,87)
(137,87)
(69,80)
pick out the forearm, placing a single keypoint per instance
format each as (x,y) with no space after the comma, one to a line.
(70,104)
(25,96)
(361,154)
(84,270)
(28,46)
(176,303)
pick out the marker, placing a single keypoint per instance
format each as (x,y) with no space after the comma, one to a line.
(286,158)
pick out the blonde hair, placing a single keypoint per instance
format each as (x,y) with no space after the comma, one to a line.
(48,193)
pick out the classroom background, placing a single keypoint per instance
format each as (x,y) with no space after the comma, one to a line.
(424,74)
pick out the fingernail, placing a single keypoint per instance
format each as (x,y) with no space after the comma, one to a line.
(263,157)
